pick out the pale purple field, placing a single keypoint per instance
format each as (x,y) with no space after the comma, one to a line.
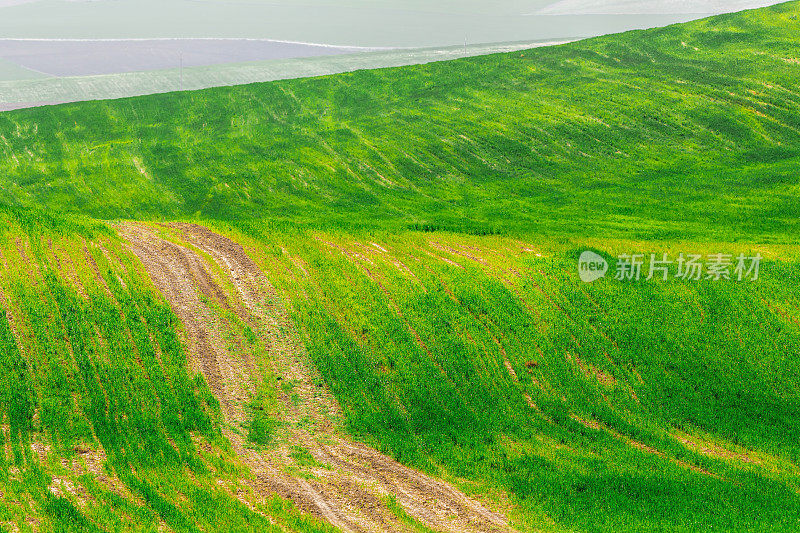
(88,58)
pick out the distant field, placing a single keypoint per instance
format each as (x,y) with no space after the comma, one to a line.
(159,32)
(91,58)
(653,6)
(54,90)
(10,71)
(384,23)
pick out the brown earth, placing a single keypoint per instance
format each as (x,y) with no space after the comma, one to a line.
(347,483)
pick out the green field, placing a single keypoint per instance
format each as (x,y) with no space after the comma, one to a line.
(421,227)
(103,427)
(637,134)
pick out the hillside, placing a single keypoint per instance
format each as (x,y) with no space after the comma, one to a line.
(351,302)
(642,133)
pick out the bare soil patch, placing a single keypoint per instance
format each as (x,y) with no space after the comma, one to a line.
(348,481)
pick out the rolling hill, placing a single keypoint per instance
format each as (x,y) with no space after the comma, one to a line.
(352,302)
(649,131)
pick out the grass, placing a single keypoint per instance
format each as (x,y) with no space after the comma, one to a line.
(423,226)
(103,425)
(641,134)
(415,332)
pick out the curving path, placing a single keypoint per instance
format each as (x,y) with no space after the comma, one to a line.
(349,482)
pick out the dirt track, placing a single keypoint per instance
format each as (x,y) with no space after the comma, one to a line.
(348,485)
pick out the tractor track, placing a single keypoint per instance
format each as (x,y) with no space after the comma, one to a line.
(350,482)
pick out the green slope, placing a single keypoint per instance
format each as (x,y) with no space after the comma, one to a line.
(644,133)
(639,406)
(650,406)
(103,426)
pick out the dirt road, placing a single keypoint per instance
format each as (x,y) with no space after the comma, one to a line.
(346,483)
